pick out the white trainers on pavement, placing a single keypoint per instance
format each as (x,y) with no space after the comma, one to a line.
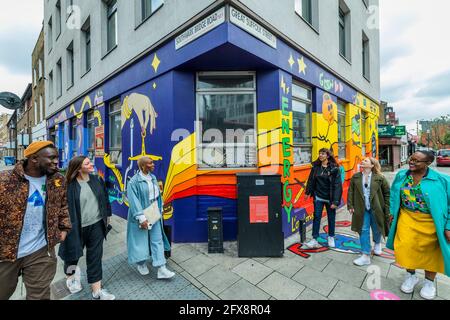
(73,284)
(411,280)
(377,250)
(143,269)
(103,294)
(312,244)
(364,260)
(331,242)
(428,291)
(164,273)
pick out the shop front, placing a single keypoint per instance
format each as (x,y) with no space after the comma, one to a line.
(224,97)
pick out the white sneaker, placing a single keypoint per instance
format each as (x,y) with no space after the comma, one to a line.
(429,290)
(103,295)
(377,250)
(73,284)
(143,270)
(411,280)
(164,273)
(331,242)
(364,260)
(312,244)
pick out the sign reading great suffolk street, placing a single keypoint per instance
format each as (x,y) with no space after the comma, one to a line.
(200,28)
(252,27)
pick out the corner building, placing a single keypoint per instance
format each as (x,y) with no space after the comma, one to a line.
(149,78)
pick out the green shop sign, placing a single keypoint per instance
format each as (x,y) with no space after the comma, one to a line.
(391,131)
(400,131)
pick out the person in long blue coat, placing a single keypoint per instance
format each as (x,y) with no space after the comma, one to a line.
(143,238)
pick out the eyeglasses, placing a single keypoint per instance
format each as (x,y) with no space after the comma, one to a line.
(416,161)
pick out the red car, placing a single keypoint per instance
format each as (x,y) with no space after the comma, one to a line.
(443,157)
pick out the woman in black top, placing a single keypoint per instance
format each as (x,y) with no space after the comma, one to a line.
(90,213)
(325,186)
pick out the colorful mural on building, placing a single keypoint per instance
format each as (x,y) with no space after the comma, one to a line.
(158,98)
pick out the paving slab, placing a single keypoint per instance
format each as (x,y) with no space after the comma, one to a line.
(252,271)
(316,261)
(315,280)
(226,260)
(218,279)
(191,279)
(183,253)
(209,294)
(381,267)
(345,291)
(286,266)
(281,287)
(309,294)
(346,273)
(198,265)
(244,290)
(443,289)
(386,284)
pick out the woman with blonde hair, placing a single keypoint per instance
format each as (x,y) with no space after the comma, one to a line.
(368,202)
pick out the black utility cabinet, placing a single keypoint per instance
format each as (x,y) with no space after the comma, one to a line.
(259,205)
(215,230)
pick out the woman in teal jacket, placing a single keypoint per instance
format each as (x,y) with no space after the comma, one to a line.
(420,231)
(143,238)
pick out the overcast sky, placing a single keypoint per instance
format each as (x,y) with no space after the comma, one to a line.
(415,53)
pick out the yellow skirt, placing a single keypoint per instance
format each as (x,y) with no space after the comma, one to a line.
(416,245)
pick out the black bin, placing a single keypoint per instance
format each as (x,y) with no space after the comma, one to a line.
(259,207)
(215,230)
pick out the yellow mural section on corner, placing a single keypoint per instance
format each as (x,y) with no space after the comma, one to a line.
(324,126)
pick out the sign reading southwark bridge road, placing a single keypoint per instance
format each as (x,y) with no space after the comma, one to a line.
(200,28)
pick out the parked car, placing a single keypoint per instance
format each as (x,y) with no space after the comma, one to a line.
(443,157)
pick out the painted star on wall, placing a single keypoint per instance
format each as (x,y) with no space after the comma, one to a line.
(302,66)
(155,63)
(291,61)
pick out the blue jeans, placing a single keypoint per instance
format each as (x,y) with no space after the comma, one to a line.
(369,222)
(331,214)
(156,246)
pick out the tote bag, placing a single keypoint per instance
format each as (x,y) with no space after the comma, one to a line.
(152,213)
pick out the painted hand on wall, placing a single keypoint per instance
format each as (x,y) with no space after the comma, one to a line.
(143,108)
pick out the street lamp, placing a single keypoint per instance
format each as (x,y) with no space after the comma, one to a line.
(12,102)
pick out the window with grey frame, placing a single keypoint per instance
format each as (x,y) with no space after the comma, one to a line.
(91,134)
(59,78)
(301,117)
(58,18)
(86,43)
(50,87)
(366,56)
(342,34)
(342,126)
(70,66)
(111,24)
(149,6)
(226,108)
(115,131)
(309,11)
(50,34)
